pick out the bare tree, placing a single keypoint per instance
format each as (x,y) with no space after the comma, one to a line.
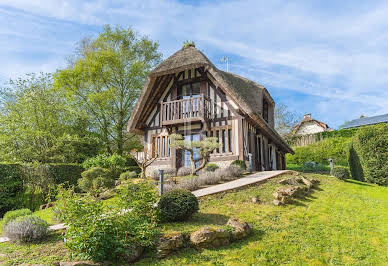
(143,159)
(204,148)
(285,119)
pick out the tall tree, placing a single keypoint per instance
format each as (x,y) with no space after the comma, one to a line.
(106,77)
(36,122)
(285,119)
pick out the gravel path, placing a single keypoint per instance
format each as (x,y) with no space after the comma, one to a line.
(241,182)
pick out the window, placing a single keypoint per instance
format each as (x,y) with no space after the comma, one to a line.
(161,146)
(230,140)
(223,138)
(265,109)
(189,90)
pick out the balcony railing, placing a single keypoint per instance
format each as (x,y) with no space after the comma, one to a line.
(198,108)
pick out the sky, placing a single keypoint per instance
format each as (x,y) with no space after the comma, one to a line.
(327,58)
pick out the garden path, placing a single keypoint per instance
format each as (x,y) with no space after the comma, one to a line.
(238,183)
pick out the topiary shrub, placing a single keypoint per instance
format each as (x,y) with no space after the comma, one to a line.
(240,164)
(229,173)
(340,172)
(178,205)
(12,215)
(26,229)
(211,167)
(128,175)
(115,163)
(96,180)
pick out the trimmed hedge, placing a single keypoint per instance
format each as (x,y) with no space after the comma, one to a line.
(12,215)
(368,154)
(240,164)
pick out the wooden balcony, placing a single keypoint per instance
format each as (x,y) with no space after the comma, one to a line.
(198,108)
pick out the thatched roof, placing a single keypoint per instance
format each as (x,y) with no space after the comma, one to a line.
(248,94)
(308,119)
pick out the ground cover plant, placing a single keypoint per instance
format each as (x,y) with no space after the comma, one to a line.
(339,223)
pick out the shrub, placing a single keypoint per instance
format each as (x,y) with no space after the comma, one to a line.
(211,167)
(190,183)
(128,175)
(136,169)
(96,180)
(12,215)
(184,171)
(168,172)
(229,173)
(340,172)
(314,167)
(355,164)
(371,147)
(11,188)
(26,229)
(240,164)
(110,233)
(178,205)
(115,163)
(209,178)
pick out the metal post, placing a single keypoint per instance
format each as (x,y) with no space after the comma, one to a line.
(331,165)
(250,163)
(161,177)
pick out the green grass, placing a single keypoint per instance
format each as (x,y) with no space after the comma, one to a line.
(341,223)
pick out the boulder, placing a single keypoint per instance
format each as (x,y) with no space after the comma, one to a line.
(285,195)
(256,200)
(241,229)
(207,237)
(135,252)
(295,181)
(277,202)
(45,206)
(169,243)
(307,182)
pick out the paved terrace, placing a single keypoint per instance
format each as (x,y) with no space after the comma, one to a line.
(238,183)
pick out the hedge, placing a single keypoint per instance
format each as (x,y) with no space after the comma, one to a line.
(13,190)
(368,154)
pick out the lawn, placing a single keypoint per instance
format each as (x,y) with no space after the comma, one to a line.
(339,223)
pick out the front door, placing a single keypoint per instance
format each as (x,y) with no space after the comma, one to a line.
(186,154)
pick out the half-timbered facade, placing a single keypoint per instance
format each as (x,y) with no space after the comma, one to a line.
(188,95)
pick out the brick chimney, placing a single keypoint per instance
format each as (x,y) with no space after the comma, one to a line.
(307,117)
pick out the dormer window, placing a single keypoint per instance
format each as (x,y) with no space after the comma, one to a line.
(265,110)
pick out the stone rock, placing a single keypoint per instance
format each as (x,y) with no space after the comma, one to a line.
(307,182)
(241,229)
(169,243)
(277,202)
(78,263)
(295,181)
(315,182)
(207,237)
(45,206)
(285,195)
(134,255)
(256,200)
(117,183)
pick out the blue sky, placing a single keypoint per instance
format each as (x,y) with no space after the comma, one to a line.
(328,58)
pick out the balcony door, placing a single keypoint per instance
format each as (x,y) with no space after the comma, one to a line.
(189,92)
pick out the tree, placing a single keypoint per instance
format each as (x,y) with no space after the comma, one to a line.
(285,120)
(106,77)
(36,123)
(143,159)
(203,148)
(344,124)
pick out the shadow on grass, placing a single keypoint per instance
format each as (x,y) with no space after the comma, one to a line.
(356,182)
(209,218)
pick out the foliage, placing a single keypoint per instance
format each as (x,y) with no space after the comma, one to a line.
(344,133)
(167,172)
(323,169)
(313,167)
(40,124)
(355,164)
(115,163)
(102,233)
(188,43)
(178,205)
(105,80)
(230,172)
(11,188)
(340,172)
(240,164)
(203,148)
(136,169)
(371,146)
(211,167)
(335,148)
(128,175)
(96,180)
(30,185)
(285,120)
(12,215)
(26,229)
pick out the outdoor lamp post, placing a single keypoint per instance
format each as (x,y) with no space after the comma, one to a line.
(161,177)
(331,164)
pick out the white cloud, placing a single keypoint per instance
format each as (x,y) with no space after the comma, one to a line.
(335,51)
